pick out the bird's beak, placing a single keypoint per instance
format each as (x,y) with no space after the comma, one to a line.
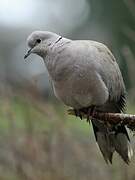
(28,53)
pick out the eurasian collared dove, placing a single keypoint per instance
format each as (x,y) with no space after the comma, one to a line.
(86,76)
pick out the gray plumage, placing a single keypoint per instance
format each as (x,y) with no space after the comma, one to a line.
(84,73)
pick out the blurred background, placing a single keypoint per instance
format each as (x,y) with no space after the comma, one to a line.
(38,140)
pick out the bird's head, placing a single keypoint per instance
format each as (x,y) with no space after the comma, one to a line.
(38,42)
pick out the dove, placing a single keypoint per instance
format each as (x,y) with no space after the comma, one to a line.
(86,77)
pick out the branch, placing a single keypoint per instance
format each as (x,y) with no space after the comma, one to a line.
(111,118)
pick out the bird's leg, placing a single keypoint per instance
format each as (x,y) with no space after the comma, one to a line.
(90,113)
(78,113)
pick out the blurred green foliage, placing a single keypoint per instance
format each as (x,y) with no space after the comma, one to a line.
(39,140)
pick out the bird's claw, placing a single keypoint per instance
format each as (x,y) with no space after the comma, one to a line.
(78,113)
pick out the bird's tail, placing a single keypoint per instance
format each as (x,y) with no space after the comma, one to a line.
(112,139)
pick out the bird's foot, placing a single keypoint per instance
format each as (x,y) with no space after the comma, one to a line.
(88,111)
(78,113)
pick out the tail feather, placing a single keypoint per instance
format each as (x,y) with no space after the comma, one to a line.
(123,147)
(105,146)
(110,140)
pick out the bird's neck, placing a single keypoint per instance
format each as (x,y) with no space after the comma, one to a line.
(54,60)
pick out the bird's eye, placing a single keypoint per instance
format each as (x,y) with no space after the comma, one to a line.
(38,40)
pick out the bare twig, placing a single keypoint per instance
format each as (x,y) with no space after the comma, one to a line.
(111,118)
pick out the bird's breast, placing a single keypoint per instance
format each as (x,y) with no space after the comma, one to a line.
(81,91)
